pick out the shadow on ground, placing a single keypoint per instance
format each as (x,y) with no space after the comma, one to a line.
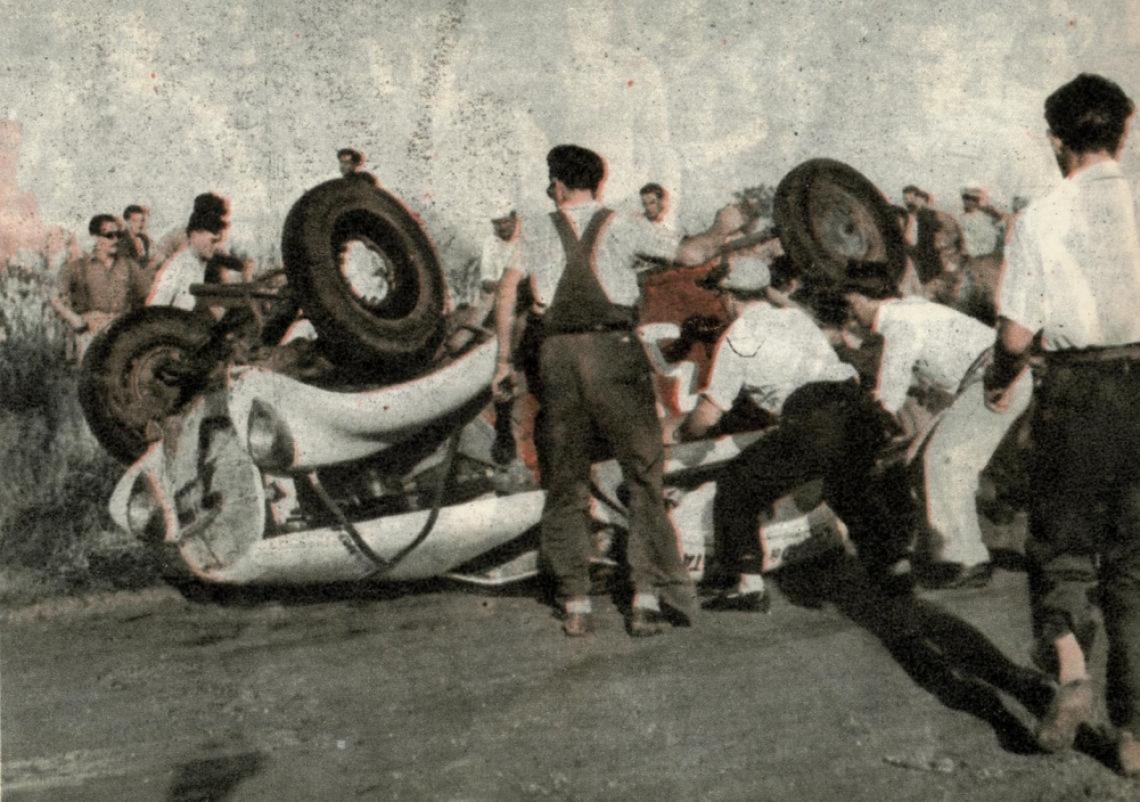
(942,653)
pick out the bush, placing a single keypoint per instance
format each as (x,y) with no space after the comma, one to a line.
(55,533)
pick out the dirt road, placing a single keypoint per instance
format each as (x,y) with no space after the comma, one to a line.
(439,693)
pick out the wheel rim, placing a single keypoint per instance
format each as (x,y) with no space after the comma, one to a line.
(368,272)
(142,396)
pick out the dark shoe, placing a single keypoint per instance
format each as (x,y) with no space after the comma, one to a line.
(757,601)
(1128,754)
(643,623)
(576,625)
(976,576)
(953,576)
(1071,707)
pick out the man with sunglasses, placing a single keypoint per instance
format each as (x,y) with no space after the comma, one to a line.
(97,288)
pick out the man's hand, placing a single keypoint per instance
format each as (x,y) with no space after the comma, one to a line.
(502,388)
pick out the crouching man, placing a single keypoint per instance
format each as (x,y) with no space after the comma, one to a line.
(936,346)
(828,427)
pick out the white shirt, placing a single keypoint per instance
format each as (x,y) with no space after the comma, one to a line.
(927,341)
(497,253)
(172,284)
(770,353)
(980,235)
(1073,266)
(621,240)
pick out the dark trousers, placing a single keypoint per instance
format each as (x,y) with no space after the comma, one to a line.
(829,431)
(1085,514)
(599,383)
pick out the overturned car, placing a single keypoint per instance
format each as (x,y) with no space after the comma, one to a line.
(367,453)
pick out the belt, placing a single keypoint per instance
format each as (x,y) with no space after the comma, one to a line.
(1092,356)
(596,328)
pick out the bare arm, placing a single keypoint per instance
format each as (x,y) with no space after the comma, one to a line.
(505,298)
(706,245)
(697,423)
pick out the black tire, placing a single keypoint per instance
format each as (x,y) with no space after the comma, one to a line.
(119,386)
(826,213)
(352,223)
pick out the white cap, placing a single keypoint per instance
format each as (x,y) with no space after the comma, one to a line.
(501,207)
(747,274)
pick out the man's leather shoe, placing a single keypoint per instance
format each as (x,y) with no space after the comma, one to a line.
(1128,754)
(757,601)
(575,625)
(1071,707)
(976,576)
(644,623)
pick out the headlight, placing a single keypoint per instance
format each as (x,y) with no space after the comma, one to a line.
(270,442)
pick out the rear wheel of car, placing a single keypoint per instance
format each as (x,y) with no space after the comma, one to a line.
(125,382)
(366,275)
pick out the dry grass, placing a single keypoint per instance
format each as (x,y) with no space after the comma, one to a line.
(55,533)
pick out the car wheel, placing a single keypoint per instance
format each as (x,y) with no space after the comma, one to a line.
(827,213)
(125,380)
(366,275)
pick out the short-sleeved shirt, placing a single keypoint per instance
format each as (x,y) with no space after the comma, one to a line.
(1073,264)
(769,353)
(927,343)
(980,235)
(87,285)
(172,284)
(497,254)
(624,238)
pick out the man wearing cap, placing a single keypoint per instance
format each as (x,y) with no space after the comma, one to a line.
(981,232)
(930,345)
(498,247)
(827,426)
(595,377)
(1073,278)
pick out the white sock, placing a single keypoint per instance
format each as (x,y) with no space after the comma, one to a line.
(578,604)
(750,583)
(646,601)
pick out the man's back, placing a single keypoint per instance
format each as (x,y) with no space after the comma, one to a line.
(1073,265)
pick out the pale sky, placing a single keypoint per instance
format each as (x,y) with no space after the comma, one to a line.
(456,101)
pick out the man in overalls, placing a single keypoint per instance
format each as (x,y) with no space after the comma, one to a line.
(1073,275)
(596,380)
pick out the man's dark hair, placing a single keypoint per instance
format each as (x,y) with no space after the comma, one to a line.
(1088,113)
(134,208)
(913,190)
(652,188)
(210,204)
(576,167)
(97,222)
(356,156)
(783,271)
(205,221)
(872,279)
